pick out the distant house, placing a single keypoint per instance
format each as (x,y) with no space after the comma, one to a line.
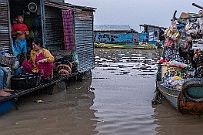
(150,33)
(115,34)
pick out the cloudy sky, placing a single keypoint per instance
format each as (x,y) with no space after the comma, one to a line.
(136,12)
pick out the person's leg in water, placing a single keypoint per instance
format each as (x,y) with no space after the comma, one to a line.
(4,75)
(1,79)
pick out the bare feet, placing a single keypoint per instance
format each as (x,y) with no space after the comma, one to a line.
(8,90)
(4,94)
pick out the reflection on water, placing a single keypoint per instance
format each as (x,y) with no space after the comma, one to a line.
(123,92)
(64,113)
(171,122)
(123,100)
(116,100)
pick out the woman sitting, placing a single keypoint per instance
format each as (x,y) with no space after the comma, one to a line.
(41,61)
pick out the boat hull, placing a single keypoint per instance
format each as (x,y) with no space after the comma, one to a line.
(169,94)
(191,97)
(191,107)
(6,107)
(187,100)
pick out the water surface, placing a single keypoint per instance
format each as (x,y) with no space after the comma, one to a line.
(115,100)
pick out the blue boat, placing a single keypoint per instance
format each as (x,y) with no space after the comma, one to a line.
(6,106)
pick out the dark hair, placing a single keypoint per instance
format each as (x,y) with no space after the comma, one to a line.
(16,18)
(38,42)
(19,16)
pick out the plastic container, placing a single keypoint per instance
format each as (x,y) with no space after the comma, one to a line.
(26,81)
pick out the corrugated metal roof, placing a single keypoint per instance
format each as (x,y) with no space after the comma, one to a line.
(59,3)
(112,28)
(4,24)
(152,26)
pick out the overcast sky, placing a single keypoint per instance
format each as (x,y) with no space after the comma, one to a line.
(136,12)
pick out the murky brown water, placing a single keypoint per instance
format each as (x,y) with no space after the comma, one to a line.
(116,100)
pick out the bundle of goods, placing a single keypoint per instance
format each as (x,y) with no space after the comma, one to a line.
(177,64)
(6,58)
(65,66)
(65,69)
(175,82)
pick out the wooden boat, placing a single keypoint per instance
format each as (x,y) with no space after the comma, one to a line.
(9,103)
(189,99)
(28,83)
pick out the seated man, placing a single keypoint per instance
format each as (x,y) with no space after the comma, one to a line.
(20,32)
(3,79)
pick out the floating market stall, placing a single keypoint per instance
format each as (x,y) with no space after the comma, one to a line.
(179,76)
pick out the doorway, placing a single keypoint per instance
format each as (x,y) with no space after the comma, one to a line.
(31,12)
